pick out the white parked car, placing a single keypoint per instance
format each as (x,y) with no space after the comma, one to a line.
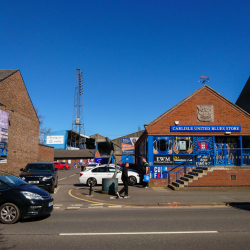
(91,165)
(96,174)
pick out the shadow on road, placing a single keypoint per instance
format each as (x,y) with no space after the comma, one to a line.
(240,205)
(35,219)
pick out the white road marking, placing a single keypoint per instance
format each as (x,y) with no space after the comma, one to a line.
(56,190)
(62,179)
(96,207)
(73,208)
(58,205)
(140,233)
(115,206)
(72,175)
(75,205)
(99,204)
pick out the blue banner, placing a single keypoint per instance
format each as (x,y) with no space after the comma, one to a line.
(205,128)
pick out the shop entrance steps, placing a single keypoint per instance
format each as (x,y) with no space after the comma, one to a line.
(184,180)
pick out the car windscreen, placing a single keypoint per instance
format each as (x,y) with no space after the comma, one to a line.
(38,167)
(11,180)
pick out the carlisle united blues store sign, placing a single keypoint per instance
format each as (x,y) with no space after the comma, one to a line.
(171,151)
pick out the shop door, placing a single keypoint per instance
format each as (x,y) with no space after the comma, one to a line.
(226,150)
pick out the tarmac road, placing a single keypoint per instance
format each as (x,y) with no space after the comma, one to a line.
(132,228)
(77,224)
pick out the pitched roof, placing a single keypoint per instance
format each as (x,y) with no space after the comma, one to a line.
(69,154)
(195,92)
(4,73)
(243,100)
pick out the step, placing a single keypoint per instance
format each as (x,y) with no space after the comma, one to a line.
(184,178)
(202,168)
(197,171)
(173,187)
(177,184)
(189,176)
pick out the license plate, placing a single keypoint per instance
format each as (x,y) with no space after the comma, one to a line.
(50,204)
(33,182)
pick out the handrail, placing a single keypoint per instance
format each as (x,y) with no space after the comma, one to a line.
(185,163)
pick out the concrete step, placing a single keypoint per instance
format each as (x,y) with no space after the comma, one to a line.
(202,168)
(172,187)
(174,183)
(184,178)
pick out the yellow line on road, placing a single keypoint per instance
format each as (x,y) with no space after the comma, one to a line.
(95,202)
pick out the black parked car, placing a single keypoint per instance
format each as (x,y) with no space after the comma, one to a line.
(19,199)
(41,174)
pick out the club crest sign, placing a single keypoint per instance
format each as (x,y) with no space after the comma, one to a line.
(205,113)
(203,145)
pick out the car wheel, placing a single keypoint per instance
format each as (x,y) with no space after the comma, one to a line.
(132,180)
(94,182)
(9,213)
(64,168)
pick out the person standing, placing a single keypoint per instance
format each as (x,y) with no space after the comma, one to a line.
(145,170)
(82,165)
(125,182)
(75,165)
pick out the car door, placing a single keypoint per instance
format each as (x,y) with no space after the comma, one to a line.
(111,171)
(99,173)
(3,191)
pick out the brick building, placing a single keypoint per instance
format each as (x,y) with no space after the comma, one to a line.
(76,156)
(19,139)
(205,129)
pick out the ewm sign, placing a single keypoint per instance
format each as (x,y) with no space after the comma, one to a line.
(163,159)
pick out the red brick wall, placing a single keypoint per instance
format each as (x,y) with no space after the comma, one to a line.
(223,178)
(73,161)
(186,113)
(24,124)
(45,153)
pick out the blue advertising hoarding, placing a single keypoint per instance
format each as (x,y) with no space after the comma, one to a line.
(128,145)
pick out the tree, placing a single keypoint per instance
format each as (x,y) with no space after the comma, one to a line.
(42,130)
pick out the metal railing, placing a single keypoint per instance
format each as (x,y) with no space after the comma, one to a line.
(194,160)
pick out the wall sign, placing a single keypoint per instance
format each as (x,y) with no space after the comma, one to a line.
(53,139)
(178,159)
(163,159)
(205,128)
(4,123)
(205,113)
(128,145)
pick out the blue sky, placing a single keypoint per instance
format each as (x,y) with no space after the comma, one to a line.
(138,58)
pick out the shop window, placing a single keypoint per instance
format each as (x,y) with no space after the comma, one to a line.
(246,145)
(183,145)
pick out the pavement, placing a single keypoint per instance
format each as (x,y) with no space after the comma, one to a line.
(163,196)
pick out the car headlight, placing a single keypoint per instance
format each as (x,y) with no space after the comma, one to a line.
(47,178)
(23,178)
(31,196)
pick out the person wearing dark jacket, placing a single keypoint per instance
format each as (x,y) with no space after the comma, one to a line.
(125,181)
(145,170)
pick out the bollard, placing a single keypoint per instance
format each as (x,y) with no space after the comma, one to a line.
(90,187)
